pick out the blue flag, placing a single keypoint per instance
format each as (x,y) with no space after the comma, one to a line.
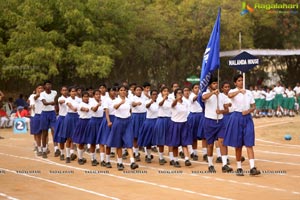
(211,59)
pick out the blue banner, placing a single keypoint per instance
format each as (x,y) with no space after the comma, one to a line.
(211,58)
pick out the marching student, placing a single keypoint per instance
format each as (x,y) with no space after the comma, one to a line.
(194,118)
(240,128)
(80,135)
(138,116)
(270,95)
(291,101)
(48,117)
(179,133)
(278,99)
(70,123)
(93,126)
(60,121)
(216,104)
(105,127)
(146,91)
(121,135)
(35,121)
(161,127)
(146,131)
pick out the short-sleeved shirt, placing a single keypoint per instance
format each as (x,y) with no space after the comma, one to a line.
(124,110)
(241,102)
(48,98)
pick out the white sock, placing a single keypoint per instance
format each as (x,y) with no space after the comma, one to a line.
(132,160)
(210,160)
(113,150)
(224,160)
(171,155)
(88,146)
(92,156)
(239,164)
(61,151)
(102,155)
(204,151)
(44,149)
(136,151)
(195,151)
(218,152)
(119,160)
(80,153)
(251,161)
(175,159)
(145,149)
(97,146)
(186,158)
(179,148)
(40,149)
(107,158)
(68,152)
(55,148)
(161,155)
(71,151)
(149,153)
(190,149)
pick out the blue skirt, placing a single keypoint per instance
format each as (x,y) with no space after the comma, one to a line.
(161,129)
(120,135)
(92,130)
(226,118)
(48,120)
(137,120)
(213,129)
(35,124)
(146,134)
(239,131)
(104,131)
(58,129)
(200,132)
(194,122)
(179,134)
(69,125)
(80,136)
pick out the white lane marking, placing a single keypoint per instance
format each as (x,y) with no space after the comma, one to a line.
(61,184)
(276,143)
(121,177)
(8,197)
(277,153)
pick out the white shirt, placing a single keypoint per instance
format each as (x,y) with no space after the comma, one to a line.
(49,98)
(124,110)
(262,94)
(171,96)
(84,114)
(195,106)
(256,94)
(62,106)
(141,108)
(179,113)
(165,109)
(152,111)
(31,104)
(270,96)
(278,90)
(290,94)
(74,102)
(241,102)
(99,112)
(38,105)
(211,105)
(108,103)
(297,90)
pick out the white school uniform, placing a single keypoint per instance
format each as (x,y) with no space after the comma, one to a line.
(241,102)
(124,110)
(63,108)
(180,112)
(165,109)
(140,108)
(212,103)
(49,98)
(99,112)
(74,102)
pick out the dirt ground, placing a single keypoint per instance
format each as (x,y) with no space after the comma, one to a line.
(23,175)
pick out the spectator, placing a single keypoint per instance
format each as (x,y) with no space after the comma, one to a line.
(20,101)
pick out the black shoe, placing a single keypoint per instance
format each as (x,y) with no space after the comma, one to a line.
(44,155)
(103,164)
(57,153)
(154,149)
(226,169)
(73,156)
(150,156)
(187,163)
(239,172)
(81,161)
(148,160)
(243,159)
(84,160)
(120,166)
(254,171)
(205,158)
(177,165)
(194,157)
(211,169)
(124,156)
(62,157)
(39,153)
(219,160)
(68,159)
(134,166)
(172,162)
(94,162)
(137,157)
(162,161)
(126,152)
(112,154)
(108,165)
(181,154)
